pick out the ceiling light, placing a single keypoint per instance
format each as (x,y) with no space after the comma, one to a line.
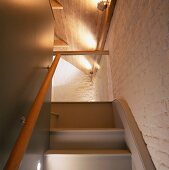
(102,5)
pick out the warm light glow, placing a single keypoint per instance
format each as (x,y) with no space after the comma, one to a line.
(24,2)
(45,40)
(94,3)
(85,63)
(39,166)
(97,66)
(89,40)
(64,74)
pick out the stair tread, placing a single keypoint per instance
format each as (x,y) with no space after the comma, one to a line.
(86,130)
(91,151)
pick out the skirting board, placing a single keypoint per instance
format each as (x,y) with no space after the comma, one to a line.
(141,159)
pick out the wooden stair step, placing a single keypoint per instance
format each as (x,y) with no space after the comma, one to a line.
(91,152)
(86,130)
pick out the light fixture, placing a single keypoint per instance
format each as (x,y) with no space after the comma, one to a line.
(102,5)
(38,166)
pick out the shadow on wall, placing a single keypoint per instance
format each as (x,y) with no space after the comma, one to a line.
(26,43)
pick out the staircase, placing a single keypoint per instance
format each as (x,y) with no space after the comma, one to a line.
(86,136)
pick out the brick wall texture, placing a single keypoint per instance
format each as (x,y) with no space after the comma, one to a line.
(138,41)
(102,82)
(70,84)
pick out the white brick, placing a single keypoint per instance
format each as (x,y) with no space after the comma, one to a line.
(71,84)
(138,43)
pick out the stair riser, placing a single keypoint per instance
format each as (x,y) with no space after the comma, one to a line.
(83,162)
(83,115)
(87,140)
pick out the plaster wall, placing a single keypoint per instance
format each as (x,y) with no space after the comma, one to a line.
(26,43)
(102,80)
(70,84)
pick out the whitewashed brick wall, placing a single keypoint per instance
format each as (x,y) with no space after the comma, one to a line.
(70,84)
(138,42)
(102,80)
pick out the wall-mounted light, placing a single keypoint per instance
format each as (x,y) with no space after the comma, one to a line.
(102,5)
(38,166)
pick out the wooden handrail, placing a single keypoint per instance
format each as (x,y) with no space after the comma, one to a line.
(141,158)
(23,139)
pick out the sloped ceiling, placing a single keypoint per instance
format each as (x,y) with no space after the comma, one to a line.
(77,27)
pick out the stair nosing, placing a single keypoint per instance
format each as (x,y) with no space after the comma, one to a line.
(114,152)
(86,130)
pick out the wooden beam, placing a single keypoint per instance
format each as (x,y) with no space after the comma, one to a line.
(104,28)
(60,43)
(105,24)
(96,52)
(56,5)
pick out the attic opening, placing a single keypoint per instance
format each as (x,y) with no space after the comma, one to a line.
(84,27)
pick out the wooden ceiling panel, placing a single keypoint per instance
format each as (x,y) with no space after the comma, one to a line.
(60,31)
(56,5)
(60,43)
(82,20)
(79,25)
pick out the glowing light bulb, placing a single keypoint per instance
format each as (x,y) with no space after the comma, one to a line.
(38,166)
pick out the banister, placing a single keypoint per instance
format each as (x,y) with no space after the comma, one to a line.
(20,146)
(141,159)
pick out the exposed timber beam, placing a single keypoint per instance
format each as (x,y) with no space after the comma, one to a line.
(104,28)
(60,43)
(96,52)
(105,24)
(55,4)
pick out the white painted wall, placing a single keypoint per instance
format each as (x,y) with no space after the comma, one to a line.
(103,81)
(70,84)
(138,42)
